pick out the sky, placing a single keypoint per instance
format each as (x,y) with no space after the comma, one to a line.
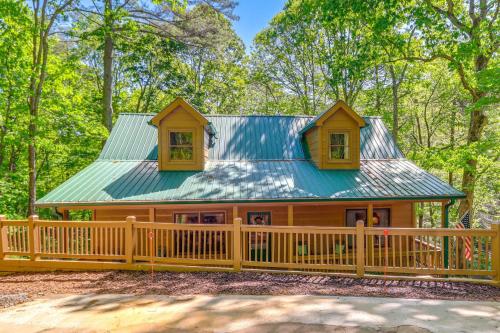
(254,16)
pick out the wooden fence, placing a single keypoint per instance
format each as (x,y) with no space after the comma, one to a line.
(433,253)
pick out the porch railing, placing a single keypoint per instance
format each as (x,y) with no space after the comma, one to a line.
(434,253)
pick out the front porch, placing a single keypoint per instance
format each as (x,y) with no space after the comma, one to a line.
(359,251)
(381,213)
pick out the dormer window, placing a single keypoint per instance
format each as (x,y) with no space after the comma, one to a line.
(180,145)
(339,146)
(183,137)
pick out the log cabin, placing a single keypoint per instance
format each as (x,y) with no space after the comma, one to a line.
(182,166)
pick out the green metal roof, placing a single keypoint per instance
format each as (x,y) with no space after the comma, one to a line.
(254,158)
(241,138)
(111,182)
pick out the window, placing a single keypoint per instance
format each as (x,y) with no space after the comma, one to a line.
(381,217)
(200,217)
(187,218)
(213,218)
(339,146)
(181,146)
(260,242)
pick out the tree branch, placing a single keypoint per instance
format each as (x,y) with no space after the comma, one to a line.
(449,13)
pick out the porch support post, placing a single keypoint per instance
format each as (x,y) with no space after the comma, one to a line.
(152,214)
(414,220)
(290,215)
(2,218)
(237,244)
(235,212)
(370,215)
(290,240)
(33,236)
(445,211)
(495,258)
(129,239)
(369,245)
(360,248)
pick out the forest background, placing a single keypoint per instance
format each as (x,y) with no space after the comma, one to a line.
(429,68)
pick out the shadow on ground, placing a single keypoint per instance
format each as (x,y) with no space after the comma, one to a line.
(244,283)
(248,314)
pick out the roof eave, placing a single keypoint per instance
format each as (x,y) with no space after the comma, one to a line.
(230,201)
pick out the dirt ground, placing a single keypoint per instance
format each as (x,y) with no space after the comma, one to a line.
(34,285)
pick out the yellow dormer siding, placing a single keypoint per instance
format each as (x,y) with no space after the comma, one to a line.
(333,138)
(181,137)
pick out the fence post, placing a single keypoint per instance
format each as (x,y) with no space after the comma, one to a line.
(237,244)
(360,248)
(495,256)
(2,218)
(129,239)
(32,234)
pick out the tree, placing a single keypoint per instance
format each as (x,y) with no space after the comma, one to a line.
(347,48)
(45,15)
(169,19)
(151,71)
(215,73)
(320,51)
(465,34)
(287,51)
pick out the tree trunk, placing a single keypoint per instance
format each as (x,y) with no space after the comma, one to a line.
(421,216)
(377,91)
(452,141)
(107,99)
(395,103)
(32,164)
(13,159)
(431,214)
(5,127)
(477,122)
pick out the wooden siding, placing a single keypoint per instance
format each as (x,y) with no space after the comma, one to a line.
(120,214)
(312,140)
(303,215)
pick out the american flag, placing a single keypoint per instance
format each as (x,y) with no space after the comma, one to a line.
(464,223)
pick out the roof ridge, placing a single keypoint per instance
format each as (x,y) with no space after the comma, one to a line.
(238,115)
(256,160)
(258,115)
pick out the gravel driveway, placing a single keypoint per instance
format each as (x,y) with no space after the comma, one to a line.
(245,283)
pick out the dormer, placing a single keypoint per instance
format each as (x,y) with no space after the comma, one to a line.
(183,137)
(333,138)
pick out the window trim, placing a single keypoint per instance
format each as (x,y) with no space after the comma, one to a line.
(261,211)
(182,130)
(199,212)
(366,209)
(346,132)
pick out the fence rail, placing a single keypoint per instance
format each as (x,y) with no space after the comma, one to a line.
(472,253)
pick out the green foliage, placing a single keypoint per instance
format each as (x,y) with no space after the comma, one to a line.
(395,59)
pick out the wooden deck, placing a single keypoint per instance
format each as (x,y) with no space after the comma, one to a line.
(36,244)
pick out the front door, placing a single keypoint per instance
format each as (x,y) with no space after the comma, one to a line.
(260,242)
